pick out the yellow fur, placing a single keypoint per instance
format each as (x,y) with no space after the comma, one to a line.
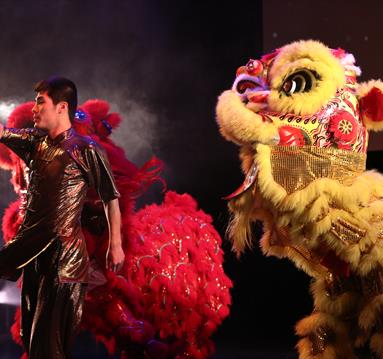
(287,250)
(340,348)
(310,55)
(342,305)
(369,261)
(376,345)
(246,156)
(239,229)
(371,312)
(304,347)
(241,125)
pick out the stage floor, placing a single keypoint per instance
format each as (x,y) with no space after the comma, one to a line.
(86,348)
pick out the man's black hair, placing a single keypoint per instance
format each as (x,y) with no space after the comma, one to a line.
(60,89)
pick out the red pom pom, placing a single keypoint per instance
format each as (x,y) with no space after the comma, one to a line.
(5,157)
(103,121)
(15,328)
(11,221)
(372,105)
(21,116)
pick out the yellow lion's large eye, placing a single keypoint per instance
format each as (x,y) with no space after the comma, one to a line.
(301,81)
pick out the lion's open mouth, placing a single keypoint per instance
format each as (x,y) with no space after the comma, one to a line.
(250,89)
(246,84)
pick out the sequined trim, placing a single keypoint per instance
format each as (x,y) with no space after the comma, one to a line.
(347,232)
(320,338)
(335,286)
(307,163)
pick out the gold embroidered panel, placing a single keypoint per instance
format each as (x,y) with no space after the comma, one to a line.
(296,167)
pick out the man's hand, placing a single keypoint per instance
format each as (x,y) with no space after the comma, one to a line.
(115,258)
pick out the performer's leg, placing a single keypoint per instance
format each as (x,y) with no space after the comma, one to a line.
(68,313)
(30,285)
(326,332)
(56,321)
(58,310)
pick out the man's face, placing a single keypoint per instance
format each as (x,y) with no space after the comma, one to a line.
(45,112)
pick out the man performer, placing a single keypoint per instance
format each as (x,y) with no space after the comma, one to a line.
(49,248)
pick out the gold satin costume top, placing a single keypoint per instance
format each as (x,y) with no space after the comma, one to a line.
(60,172)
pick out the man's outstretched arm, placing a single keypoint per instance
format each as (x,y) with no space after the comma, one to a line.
(115,255)
(19,140)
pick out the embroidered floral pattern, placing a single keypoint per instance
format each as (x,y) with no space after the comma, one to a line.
(343,126)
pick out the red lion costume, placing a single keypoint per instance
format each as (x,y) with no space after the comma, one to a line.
(172,292)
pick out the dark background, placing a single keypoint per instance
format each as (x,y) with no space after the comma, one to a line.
(162,64)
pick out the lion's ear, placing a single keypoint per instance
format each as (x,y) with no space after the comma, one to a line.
(370,96)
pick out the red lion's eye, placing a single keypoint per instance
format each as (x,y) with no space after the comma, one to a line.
(254,67)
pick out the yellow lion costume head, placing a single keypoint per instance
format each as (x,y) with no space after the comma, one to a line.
(302,120)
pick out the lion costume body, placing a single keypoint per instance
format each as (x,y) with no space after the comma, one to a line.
(302,122)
